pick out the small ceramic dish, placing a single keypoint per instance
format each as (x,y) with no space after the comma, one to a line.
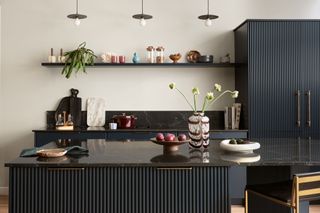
(247,147)
(51,153)
(192,56)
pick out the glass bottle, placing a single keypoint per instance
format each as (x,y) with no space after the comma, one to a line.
(69,121)
(150,54)
(160,55)
(59,121)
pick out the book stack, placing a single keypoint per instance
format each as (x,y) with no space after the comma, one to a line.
(232,116)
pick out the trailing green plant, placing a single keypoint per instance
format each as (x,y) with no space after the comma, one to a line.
(77,60)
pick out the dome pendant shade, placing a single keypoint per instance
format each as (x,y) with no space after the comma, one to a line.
(208,17)
(142,17)
(77,16)
(205,17)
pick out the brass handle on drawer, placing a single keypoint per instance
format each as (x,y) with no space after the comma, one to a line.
(298,109)
(308,94)
(174,168)
(64,169)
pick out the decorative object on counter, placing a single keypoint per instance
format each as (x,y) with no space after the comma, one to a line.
(96,115)
(198,123)
(61,57)
(244,146)
(225,59)
(71,106)
(192,56)
(114,58)
(113,126)
(150,54)
(63,123)
(232,116)
(51,58)
(170,146)
(175,57)
(205,59)
(33,152)
(142,17)
(106,57)
(208,17)
(77,16)
(160,55)
(78,59)
(122,59)
(51,153)
(135,58)
(125,121)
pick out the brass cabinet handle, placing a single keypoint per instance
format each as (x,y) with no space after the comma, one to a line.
(298,109)
(174,168)
(308,94)
(64,169)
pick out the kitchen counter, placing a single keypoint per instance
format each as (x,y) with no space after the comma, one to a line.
(137,177)
(273,152)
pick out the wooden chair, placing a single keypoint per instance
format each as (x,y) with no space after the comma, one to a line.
(303,187)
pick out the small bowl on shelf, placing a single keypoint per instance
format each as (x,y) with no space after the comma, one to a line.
(205,59)
(175,57)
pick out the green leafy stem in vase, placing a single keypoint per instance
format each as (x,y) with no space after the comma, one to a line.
(210,97)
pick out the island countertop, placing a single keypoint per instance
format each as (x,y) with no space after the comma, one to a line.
(273,152)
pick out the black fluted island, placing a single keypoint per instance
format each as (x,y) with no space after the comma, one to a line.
(137,177)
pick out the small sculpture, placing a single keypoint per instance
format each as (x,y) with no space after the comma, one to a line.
(135,58)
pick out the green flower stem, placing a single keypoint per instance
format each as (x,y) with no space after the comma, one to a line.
(214,100)
(186,99)
(195,103)
(204,105)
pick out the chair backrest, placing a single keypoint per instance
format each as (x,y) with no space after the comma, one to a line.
(306,186)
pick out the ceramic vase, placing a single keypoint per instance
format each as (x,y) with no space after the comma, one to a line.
(198,125)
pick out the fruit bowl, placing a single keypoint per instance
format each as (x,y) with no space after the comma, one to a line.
(246,147)
(175,57)
(170,146)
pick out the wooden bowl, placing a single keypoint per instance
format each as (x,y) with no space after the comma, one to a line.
(170,146)
(51,153)
(175,57)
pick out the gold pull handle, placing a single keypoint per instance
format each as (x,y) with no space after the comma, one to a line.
(308,94)
(64,169)
(298,109)
(174,168)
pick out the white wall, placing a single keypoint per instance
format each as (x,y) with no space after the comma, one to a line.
(31,28)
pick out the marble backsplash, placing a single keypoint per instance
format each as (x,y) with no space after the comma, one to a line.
(152,119)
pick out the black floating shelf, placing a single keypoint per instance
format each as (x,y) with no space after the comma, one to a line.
(149,65)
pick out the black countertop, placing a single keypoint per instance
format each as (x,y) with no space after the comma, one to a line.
(273,152)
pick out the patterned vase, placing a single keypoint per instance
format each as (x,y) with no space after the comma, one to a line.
(198,125)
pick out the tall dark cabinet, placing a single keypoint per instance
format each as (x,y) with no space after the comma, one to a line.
(278,76)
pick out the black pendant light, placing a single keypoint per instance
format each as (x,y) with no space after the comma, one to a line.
(142,17)
(77,16)
(208,17)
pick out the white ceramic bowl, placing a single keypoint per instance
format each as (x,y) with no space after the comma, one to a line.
(239,147)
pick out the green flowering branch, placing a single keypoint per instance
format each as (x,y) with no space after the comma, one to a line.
(208,99)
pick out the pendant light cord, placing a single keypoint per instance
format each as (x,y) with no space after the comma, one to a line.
(142,7)
(77,6)
(208,6)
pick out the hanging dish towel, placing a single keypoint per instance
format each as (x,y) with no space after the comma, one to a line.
(96,115)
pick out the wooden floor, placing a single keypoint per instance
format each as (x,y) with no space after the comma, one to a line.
(235,209)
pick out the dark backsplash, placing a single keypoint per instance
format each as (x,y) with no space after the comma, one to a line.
(153,119)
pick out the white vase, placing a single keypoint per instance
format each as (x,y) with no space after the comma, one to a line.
(199,128)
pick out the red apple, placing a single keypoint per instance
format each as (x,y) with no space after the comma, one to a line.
(170,137)
(160,137)
(182,137)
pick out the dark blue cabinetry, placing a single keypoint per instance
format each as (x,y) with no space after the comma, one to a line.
(277,74)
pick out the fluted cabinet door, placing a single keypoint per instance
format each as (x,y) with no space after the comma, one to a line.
(310,69)
(274,78)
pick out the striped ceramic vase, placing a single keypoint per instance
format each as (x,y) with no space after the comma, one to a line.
(198,125)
